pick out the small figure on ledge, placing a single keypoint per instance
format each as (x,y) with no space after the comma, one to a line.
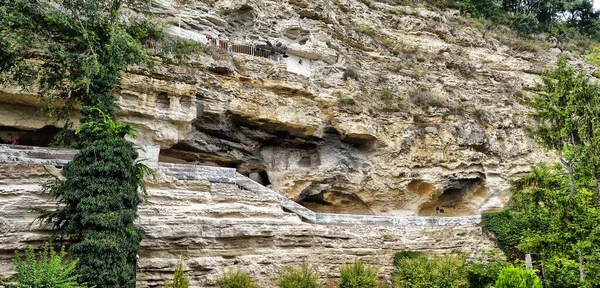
(13,140)
(197,158)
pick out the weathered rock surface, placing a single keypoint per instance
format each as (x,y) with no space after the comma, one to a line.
(436,121)
(208,216)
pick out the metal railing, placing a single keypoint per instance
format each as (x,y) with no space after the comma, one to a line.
(256,50)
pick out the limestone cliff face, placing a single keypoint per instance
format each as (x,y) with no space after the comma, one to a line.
(436,122)
(217,219)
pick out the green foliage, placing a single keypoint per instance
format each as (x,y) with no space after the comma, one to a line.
(422,97)
(358,275)
(80,48)
(299,277)
(594,57)
(507,229)
(98,202)
(422,272)
(512,277)
(365,29)
(180,279)
(235,279)
(528,17)
(405,254)
(483,274)
(178,51)
(351,73)
(145,29)
(81,51)
(50,269)
(348,101)
(525,24)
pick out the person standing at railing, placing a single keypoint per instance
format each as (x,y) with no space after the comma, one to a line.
(229,46)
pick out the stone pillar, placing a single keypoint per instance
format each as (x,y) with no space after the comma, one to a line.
(528,264)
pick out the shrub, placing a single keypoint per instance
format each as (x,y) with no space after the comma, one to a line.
(299,277)
(594,57)
(358,275)
(525,24)
(349,101)
(235,279)
(386,94)
(421,59)
(351,73)
(484,275)
(421,272)
(180,280)
(50,269)
(145,29)
(405,254)
(424,98)
(512,277)
(365,29)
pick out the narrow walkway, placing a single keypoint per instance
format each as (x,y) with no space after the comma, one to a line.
(59,157)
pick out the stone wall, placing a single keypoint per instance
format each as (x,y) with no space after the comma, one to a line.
(216,219)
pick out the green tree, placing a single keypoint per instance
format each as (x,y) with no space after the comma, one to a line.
(180,279)
(357,275)
(73,51)
(512,277)
(98,202)
(50,269)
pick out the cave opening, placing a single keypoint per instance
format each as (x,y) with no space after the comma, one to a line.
(320,198)
(265,178)
(42,137)
(162,100)
(458,198)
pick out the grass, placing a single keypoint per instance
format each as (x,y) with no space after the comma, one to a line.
(366,30)
(422,97)
(347,101)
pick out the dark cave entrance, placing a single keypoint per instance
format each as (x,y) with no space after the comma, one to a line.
(42,137)
(456,198)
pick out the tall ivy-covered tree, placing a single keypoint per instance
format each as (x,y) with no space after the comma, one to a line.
(99,199)
(72,51)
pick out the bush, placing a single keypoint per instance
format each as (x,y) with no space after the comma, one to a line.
(349,101)
(351,73)
(512,277)
(365,29)
(594,57)
(235,279)
(299,277)
(421,272)
(145,29)
(358,275)
(424,98)
(180,280)
(484,275)
(50,269)
(525,24)
(405,254)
